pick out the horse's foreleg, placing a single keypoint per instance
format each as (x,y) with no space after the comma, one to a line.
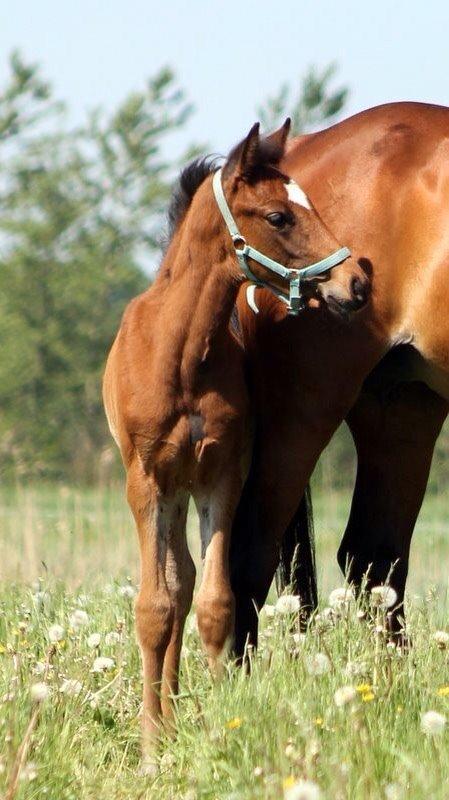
(215,599)
(394,435)
(154,609)
(180,578)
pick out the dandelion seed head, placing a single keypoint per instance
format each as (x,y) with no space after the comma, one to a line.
(93,640)
(112,638)
(340,597)
(432,723)
(383,596)
(288,604)
(71,687)
(102,664)
(442,639)
(78,619)
(127,591)
(39,692)
(56,633)
(301,790)
(268,611)
(345,695)
(318,664)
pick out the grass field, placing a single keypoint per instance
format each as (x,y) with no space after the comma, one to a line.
(64,551)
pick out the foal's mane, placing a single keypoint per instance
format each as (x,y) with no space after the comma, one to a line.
(190,179)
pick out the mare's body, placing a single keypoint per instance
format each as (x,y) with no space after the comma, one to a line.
(380,181)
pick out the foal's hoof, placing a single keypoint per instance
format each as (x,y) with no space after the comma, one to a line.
(149,768)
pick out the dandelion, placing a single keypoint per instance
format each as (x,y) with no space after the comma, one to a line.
(383,596)
(356,669)
(71,687)
(344,695)
(28,772)
(318,664)
(39,668)
(78,619)
(368,697)
(288,604)
(102,664)
(93,640)
(39,692)
(340,597)
(432,723)
(258,772)
(112,638)
(234,723)
(301,790)
(56,633)
(127,591)
(443,691)
(299,639)
(442,639)
(268,611)
(393,791)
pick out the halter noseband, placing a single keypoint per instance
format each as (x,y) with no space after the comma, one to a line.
(294,277)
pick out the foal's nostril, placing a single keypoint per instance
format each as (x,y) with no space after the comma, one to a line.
(359,291)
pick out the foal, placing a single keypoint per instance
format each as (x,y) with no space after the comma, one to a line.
(175,394)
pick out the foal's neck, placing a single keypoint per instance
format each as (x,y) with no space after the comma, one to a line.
(201,293)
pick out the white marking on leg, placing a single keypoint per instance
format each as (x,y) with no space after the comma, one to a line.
(297,195)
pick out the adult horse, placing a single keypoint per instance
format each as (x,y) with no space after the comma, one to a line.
(175,392)
(380,181)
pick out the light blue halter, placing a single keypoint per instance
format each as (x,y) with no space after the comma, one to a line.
(294,277)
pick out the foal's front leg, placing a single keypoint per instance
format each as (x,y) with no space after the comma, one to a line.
(215,606)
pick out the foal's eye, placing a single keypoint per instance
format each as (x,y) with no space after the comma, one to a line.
(277,219)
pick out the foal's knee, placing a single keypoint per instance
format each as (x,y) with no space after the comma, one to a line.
(154,622)
(215,615)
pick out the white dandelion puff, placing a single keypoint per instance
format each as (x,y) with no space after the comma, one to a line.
(288,604)
(39,668)
(345,695)
(93,640)
(79,619)
(102,663)
(441,638)
(268,611)
(303,790)
(340,597)
(71,686)
(56,633)
(127,591)
(393,791)
(383,596)
(432,723)
(39,692)
(356,669)
(112,638)
(318,664)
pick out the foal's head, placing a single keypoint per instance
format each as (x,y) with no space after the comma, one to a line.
(268,212)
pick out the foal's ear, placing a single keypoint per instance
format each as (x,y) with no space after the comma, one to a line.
(245,157)
(276,141)
(253,152)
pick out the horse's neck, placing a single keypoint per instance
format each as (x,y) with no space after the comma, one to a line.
(198,303)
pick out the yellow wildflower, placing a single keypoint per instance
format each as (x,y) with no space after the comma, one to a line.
(288,782)
(363,688)
(443,691)
(367,697)
(318,721)
(234,723)
(2,649)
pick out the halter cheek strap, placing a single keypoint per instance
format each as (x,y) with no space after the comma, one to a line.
(294,277)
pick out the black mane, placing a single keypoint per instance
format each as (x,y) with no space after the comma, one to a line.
(191,177)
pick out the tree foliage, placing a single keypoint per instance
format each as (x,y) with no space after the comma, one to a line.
(80,213)
(314,103)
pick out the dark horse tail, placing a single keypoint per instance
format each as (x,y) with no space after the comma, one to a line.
(297,567)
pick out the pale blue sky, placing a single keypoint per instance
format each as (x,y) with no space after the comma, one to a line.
(230,55)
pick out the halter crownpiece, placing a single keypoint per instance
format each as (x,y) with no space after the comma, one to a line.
(294,277)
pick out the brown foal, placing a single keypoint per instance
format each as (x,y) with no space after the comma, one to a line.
(176,399)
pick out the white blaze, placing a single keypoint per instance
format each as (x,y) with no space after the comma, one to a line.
(297,195)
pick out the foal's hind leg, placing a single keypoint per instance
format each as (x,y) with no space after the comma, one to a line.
(180,578)
(215,599)
(395,436)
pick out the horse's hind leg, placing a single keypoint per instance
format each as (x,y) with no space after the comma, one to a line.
(215,599)
(180,578)
(154,609)
(394,434)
